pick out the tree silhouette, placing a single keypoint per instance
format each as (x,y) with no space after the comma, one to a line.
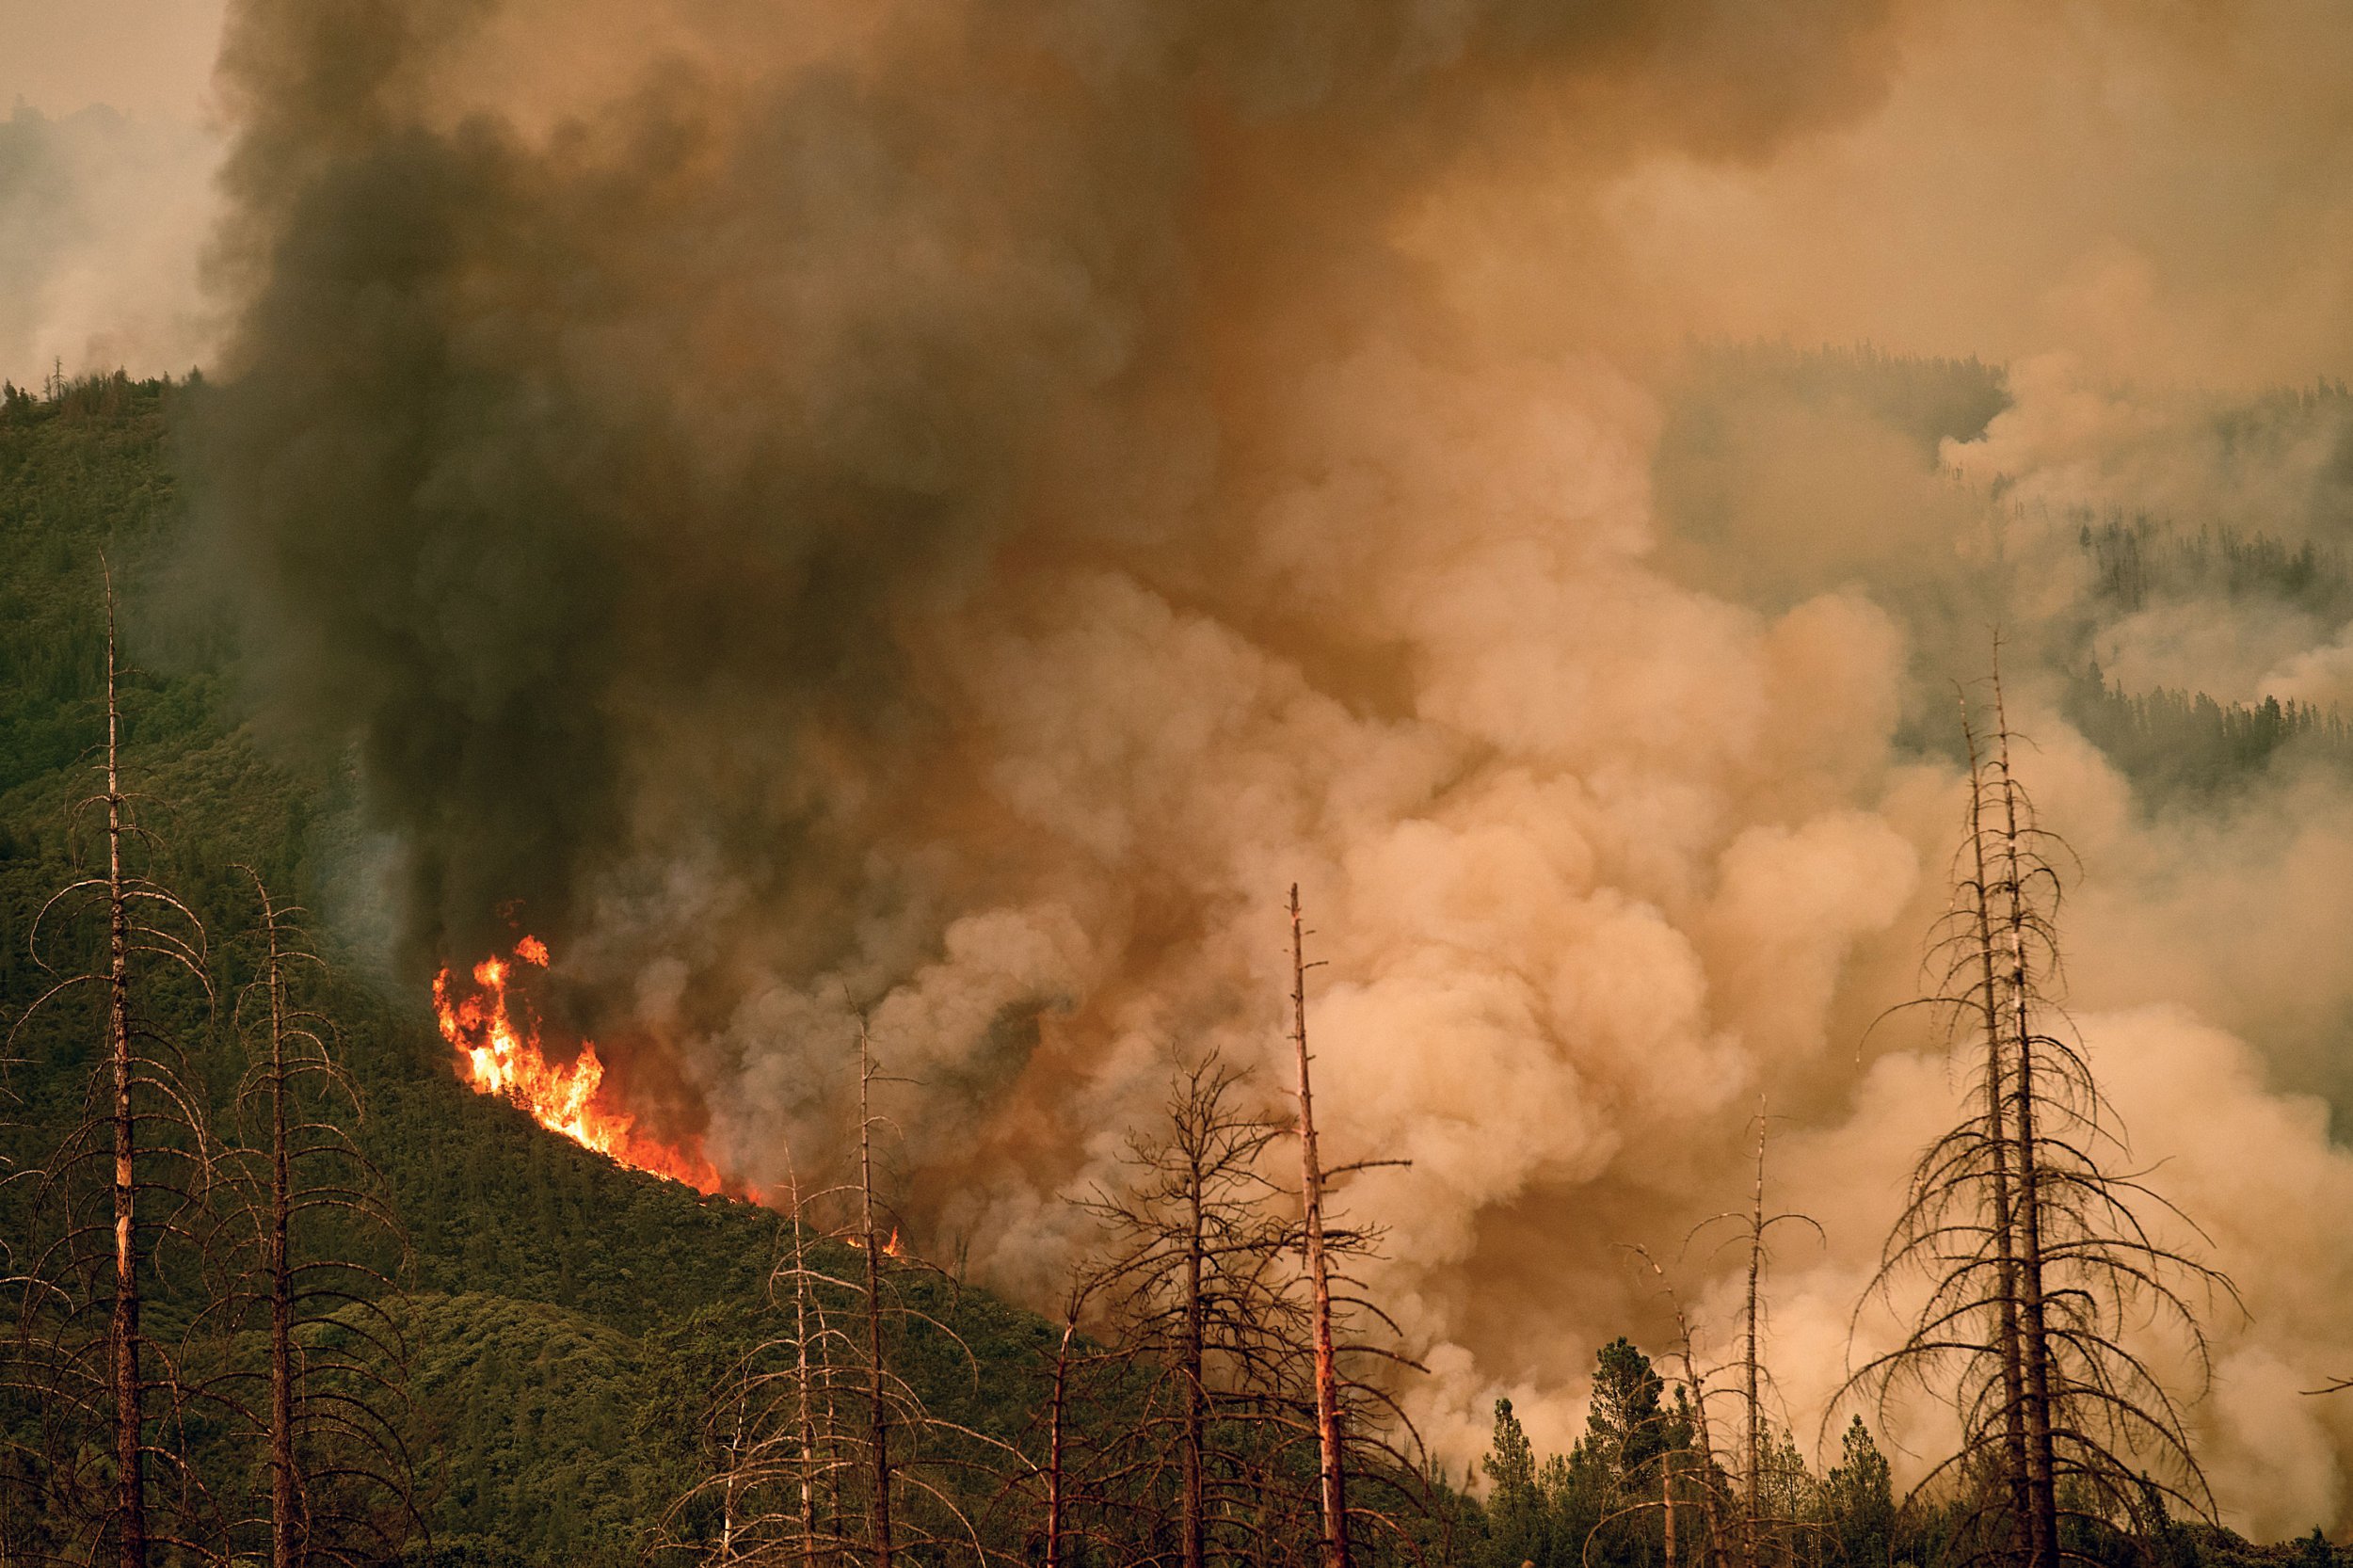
(1759,1465)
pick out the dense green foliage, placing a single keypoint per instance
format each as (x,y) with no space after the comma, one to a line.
(1758,437)
(2176,741)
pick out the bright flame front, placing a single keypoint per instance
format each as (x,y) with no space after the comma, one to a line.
(498,1044)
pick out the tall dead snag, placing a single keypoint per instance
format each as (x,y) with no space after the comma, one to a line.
(1332,1471)
(124,1185)
(1056,1473)
(2028,1252)
(880,1538)
(1770,1514)
(322,1256)
(1354,1415)
(1758,1462)
(1071,1497)
(806,1431)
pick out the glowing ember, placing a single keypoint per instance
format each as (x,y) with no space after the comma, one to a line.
(498,1047)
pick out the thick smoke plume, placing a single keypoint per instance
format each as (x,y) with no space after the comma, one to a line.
(948,509)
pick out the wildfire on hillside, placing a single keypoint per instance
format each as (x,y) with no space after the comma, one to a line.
(496,1037)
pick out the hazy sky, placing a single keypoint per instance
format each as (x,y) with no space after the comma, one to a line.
(149,57)
(109,143)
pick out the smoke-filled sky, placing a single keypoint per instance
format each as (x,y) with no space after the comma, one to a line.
(949,509)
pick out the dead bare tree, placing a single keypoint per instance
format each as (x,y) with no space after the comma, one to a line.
(1056,1474)
(2029,1250)
(1078,1495)
(1205,1332)
(120,1191)
(1767,1517)
(322,1253)
(1332,1470)
(1757,1460)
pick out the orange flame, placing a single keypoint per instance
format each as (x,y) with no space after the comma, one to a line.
(890,1249)
(499,1055)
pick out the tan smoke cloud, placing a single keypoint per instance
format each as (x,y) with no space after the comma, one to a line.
(2160,192)
(949,511)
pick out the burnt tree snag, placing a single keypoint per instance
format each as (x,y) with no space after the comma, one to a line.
(1332,1469)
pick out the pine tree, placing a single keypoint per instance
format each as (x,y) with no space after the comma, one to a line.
(1516,1511)
(1859,1495)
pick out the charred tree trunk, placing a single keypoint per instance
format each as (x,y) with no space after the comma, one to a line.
(2034,1328)
(2002,1158)
(1192,1458)
(337,1467)
(1753,1457)
(1328,1436)
(1702,1440)
(1056,1408)
(1667,1504)
(284,1493)
(2037,1268)
(1201,1322)
(1712,1543)
(728,1494)
(129,1384)
(803,1413)
(878,1408)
